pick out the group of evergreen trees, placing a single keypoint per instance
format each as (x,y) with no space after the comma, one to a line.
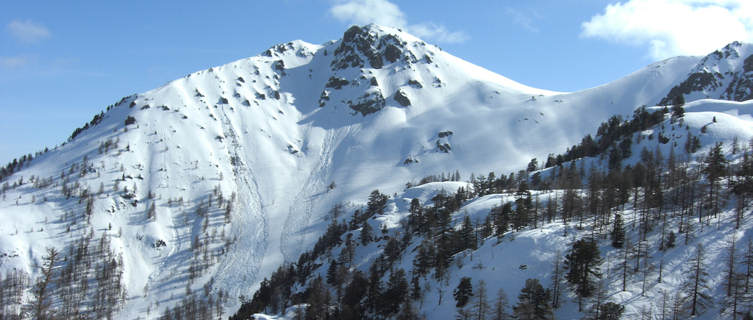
(669,196)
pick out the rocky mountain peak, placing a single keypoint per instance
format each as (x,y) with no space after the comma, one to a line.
(371,46)
(726,74)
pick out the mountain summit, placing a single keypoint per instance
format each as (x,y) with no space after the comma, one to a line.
(724,74)
(214,180)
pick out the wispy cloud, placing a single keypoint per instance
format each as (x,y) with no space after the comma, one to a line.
(13,62)
(437,32)
(674,27)
(386,13)
(524,20)
(27,31)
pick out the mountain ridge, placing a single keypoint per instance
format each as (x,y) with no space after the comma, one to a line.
(271,142)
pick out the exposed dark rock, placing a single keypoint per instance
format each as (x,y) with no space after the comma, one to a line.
(370,103)
(437,83)
(222,100)
(748,64)
(373,82)
(444,147)
(323,98)
(336,83)
(392,53)
(358,42)
(415,83)
(443,134)
(402,98)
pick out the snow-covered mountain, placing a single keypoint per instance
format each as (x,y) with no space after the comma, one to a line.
(724,74)
(215,179)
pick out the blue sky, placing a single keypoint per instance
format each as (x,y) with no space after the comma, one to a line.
(61,62)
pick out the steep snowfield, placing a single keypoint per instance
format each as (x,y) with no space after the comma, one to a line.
(291,132)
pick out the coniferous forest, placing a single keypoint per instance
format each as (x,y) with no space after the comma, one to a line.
(640,211)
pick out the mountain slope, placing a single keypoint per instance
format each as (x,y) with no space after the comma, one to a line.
(724,74)
(215,179)
(647,275)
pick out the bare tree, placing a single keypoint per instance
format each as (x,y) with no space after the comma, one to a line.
(41,295)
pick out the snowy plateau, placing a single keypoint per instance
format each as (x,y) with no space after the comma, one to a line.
(200,189)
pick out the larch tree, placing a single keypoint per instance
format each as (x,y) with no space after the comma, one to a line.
(696,285)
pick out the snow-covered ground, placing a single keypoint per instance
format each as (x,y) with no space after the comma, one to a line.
(280,134)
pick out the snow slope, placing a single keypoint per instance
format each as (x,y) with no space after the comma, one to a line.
(530,253)
(290,132)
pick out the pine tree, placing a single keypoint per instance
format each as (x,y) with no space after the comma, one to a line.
(618,232)
(374,289)
(502,219)
(533,302)
(467,235)
(415,220)
(424,259)
(396,293)
(611,311)
(377,202)
(356,290)
(365,235)
(582,264)
(332,276)
(392,250)
(715,166)
(407,312)
(318,299)
(463,292)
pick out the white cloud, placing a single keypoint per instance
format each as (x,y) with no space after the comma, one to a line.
(437,32)
(526,21)
(386,13)
(369,11)
(12,62)
(674,27)
(27,31)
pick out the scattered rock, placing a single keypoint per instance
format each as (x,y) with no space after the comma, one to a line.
(336,82)
(443,134)
(369,103)
(402,98)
